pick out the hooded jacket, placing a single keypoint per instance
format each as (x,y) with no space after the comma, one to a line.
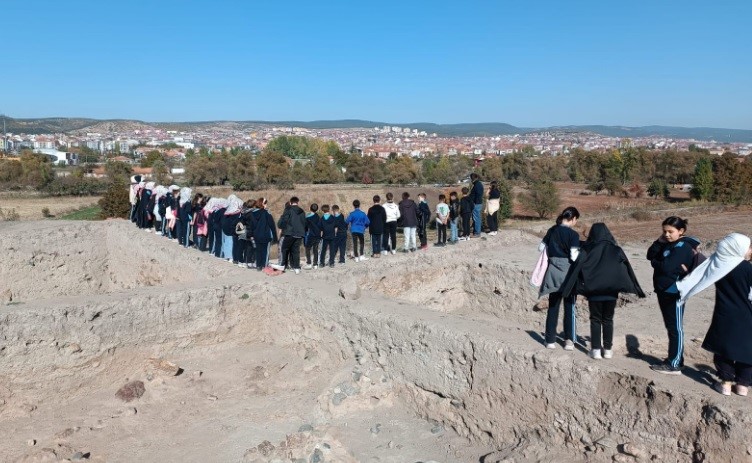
(667,260)
(358,221)
(466,205)
(454,209)
(341,225)
(409,213)
(293,222)
(476,193)
(328,226)
(424,214)
(392,211)
(602,268)
(264,231)
(313,225)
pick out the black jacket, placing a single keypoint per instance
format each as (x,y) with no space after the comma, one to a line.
(454,209)
(264,231)
(408,213)
(341,225)
(667,260)
(477,192)
(466,205)
(327,227)
(293,222)
(601,269)
(229,222)
(424,214)
(313,226)
(729,332)
(377,217)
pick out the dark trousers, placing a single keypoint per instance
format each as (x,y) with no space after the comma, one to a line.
(238,248)
(210,237)
(359,242)
(729,370)
(602,324)
(181,231)
(441,227)
(390,236)
(250,252)
(201,242)
(340,244)
(312,251)
(422,236)
(466,224)
(291,251)
(262,255)
(217,241)
(673,318)
(375,243)
(327,244)
(552,318)
(157,225)
(492,220)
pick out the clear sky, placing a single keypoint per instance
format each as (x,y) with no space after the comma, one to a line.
(529,63)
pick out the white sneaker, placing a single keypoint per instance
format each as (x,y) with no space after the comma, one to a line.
(568,345)
(229,260)
(551,346)
(394,251)
(595,354)
(608,353)
(251,266)
(362,258)
(277,267)
(357,259)
(383,253)
(159,233)
(315,267)
(241,265)
(307,267)
(297,271)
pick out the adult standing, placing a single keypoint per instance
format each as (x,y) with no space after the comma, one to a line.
(390,226)
(492,209)
(292,225)
(562,244)
(409,212)
(728,337)
(476,194)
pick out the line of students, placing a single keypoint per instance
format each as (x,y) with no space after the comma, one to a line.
(600,270)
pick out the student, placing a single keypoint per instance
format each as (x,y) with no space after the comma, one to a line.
(175,208)
(292,226)
(562,245)
(328,228)
(264,233)
(312,237)
(466,211)
(442,218)
(340,234)
(201,228)
(245,238)
(671,256)
(185,217)
(601,272)
(454,213)
(390,226)
(728,336)
(215,219)
(228,222)
(133,196)
(424,216)
(160,209)
(358,222)
(142,208)
(477,196)
(151,187)
(492,209)
(195,209)
(377,224)
(409,213)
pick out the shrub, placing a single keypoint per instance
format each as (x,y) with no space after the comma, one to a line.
(642,216)
(116,201)
(9,215)
(46,213)
(542,198)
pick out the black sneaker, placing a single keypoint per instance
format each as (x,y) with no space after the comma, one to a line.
(666,369)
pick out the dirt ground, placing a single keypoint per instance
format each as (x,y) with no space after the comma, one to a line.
(29,206)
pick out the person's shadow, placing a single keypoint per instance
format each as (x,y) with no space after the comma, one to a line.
(700,372)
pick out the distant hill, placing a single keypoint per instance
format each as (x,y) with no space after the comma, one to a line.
(478,129)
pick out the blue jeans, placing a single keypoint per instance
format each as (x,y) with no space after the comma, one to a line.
(376,243)
(226,246)
(476,218)
(453,231)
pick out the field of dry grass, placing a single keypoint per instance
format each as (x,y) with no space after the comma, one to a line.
(29,205)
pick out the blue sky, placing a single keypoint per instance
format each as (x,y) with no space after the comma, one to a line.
(528,63)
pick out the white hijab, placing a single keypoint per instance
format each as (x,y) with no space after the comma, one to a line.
(185,195)
(234,204)
(729,253)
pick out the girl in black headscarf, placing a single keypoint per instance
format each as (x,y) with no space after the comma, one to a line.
(601,272)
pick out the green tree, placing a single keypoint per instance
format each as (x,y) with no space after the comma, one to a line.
(658,187)
(506,201)
(702,183)
(274,169)
(541,198)
(151,157)
(403,170)
(242,171)
(118,171)
(115,202)
(323,171)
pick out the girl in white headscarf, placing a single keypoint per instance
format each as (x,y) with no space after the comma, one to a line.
(229,220)
(184,216)
(730,334)
(158,211)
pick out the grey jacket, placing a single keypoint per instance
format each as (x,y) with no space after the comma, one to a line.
(556,273)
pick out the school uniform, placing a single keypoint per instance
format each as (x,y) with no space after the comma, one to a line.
(377,223)
(424,216)
(667,260)
(340,236)
(466,211)
(264,234)
(454,213)
(328,228)
(216,223)
(312,238)
(292,225)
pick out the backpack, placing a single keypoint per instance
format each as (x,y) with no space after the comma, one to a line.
(697,259)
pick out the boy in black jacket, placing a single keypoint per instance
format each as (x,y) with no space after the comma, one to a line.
(424,216)
(340,236)
(466,211)
(293,226)
(312,238)
(328,228)
(454,214)
(377,217)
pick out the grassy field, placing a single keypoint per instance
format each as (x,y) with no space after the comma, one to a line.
(85,213)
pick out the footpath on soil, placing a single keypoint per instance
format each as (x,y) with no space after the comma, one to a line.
(120,346)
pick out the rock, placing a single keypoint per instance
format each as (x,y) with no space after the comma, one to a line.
(633,450)
(197,374)
(390,444)
(305,428)
(131,391)
(163,366)
(31,442)
(338,398)
(265,448)
(79,456)
(606,442)
(130,411)
(348,389)
(66,433)
(438,429)
(317,456)
(6,296)
(350,291)
(376,429)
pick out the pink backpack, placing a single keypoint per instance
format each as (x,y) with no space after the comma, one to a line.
(540,269)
